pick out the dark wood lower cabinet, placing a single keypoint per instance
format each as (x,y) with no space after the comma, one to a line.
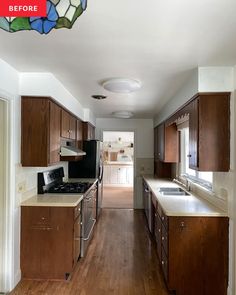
(50,244)
(193,252)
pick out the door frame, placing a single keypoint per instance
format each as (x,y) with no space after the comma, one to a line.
(8,201)
(134,166)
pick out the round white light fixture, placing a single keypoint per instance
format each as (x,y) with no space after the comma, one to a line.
(122,114)
(122,85)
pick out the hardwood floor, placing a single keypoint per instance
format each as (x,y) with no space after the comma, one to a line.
(121,260)
(117,197)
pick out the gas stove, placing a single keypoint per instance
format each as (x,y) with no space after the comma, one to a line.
(69,187)
(52,182)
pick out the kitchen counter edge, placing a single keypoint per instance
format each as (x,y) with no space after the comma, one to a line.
(57,200)
(209,210)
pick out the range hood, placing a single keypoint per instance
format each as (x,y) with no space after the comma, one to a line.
(71,151)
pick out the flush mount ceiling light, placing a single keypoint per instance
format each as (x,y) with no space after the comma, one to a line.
(122,114)
(121,85)
(99,97)
(59,14)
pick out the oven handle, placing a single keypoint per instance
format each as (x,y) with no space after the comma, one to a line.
(86,239)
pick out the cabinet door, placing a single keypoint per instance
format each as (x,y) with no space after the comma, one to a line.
(160,142)
(88,131)
(186,258)
(193,135)
(171,144)
(155,143)
(34,131)
(65,124)
(79,133)
(122,175)
(46,242)
(214,128)
(55,125)
(72,127)
(114,175)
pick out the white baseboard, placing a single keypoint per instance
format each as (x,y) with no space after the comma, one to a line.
(229,291)
(17,278)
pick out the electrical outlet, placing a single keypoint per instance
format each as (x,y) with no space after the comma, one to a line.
(21,187)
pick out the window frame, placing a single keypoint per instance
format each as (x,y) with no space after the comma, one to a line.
(183,166)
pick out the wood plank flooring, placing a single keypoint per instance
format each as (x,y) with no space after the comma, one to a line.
(117,197)
(121,260)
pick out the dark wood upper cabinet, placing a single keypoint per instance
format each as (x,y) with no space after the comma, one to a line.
(166,143)
(54,133)
(79,133)
(40,131)
(68,125)
(44,125)
(88,131)
(209,132)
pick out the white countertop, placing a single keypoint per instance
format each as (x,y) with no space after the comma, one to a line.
(54,200)
(120,163)
(58,200)
(177,205)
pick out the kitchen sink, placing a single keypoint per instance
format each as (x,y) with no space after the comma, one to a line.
(170,191)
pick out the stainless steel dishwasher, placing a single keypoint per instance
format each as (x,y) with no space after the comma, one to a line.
(148,206)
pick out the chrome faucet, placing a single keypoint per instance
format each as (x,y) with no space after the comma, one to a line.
(188,186)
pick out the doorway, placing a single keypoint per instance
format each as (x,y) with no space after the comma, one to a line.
(118,177)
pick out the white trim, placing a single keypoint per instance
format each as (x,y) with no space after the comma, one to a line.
(9,277)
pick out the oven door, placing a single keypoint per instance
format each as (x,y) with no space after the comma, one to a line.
(88,219)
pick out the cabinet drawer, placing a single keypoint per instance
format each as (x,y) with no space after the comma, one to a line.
(164,264)
(37,216)
(164,218)
(158,234)
(164,239)
(77,210)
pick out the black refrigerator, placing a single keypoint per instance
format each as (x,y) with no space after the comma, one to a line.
(91,166)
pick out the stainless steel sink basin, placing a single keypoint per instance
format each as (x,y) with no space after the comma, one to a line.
(170,191)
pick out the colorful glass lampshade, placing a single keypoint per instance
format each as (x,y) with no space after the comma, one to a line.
(60,14)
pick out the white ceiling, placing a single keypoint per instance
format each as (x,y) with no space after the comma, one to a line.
(157,42)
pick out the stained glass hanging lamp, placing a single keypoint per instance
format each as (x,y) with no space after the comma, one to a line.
(60,14)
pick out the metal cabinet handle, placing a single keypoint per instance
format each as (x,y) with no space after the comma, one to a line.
(86,239)
(189,156)
(147,190)
(163,238)
(182,225)
(159,230)
(162,262)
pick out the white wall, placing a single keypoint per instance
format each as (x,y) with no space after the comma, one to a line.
(215,79)
(12,85)
(9,82)
(182,96)
(46,84)
(143,147)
